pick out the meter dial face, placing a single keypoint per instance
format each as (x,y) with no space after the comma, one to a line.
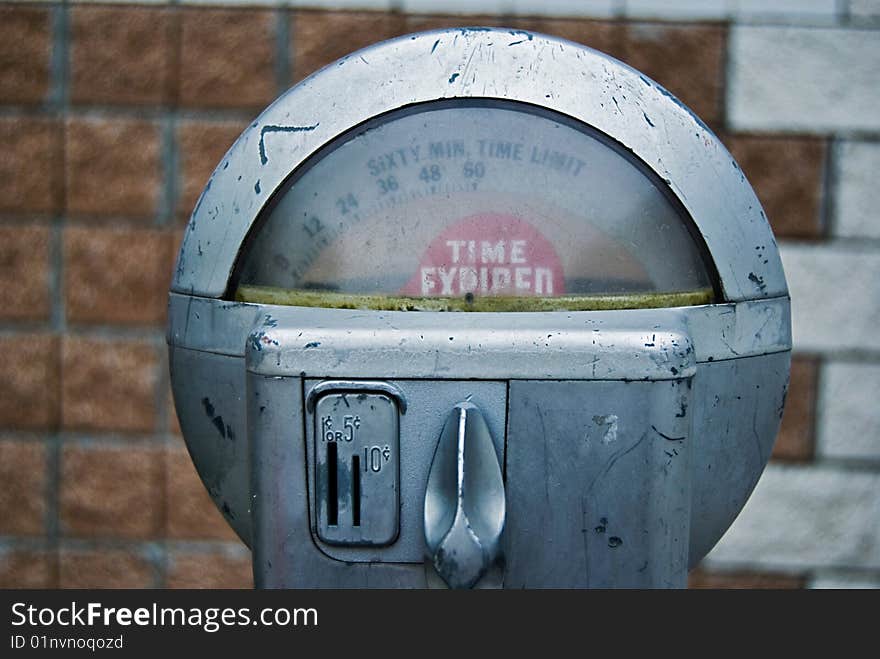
(473,205)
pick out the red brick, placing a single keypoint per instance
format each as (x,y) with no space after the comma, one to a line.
(30,165)
(30,382)
(173,421)
(315,40)
(209,570)
(201,145)
(26,569)
(176,239)
(606,36)
(25,46)
(112,167)
(117,275)
(701,578)
(787,174)
(227,58)
(120,55)
(108,385)
(191,513)
(111,491)
(23,493)
(686,59)
(104,568)
(24,272)
(796,441)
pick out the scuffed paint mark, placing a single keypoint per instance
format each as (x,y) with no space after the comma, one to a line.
(224,429)
(758,281)
(218,424)
(279,129)
(257,186)
(607,423)
(614,542)
(434,47)
(259,339)
(312,344)
(667,437)
(453,77)
(648,119)
(200,199)
(609,464)
(683,408)
(181,258)
(671,97)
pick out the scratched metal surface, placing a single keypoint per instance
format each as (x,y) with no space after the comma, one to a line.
(285,556)
(736,431)
(209,395)
(485,63)
(597,484)
(598,495)
(737,353)
(721,331)
(738,406)
(428,406)
(328,343)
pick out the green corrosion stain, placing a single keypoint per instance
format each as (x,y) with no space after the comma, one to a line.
(311,298)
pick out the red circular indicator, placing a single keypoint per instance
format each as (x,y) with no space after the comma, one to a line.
(488,254)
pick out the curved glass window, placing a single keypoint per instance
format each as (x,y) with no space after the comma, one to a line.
(474,205)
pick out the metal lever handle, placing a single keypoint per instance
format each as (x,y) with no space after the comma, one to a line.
(464,501)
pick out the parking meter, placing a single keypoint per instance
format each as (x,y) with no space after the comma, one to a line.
(478,308)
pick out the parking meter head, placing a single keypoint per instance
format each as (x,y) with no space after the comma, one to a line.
(496,227)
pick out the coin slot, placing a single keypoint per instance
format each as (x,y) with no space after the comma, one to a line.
(332,485)
(356,490)
(357,468)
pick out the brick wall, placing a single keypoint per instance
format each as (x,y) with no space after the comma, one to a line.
(113,116)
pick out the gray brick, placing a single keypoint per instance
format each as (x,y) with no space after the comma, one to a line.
(802,79)
(452,6)
(382,5)
(677,9)
(849,421)
(590,8)
(864,12)
(857,197)
(802,518)
(845,580)
(835,296)
(789,11)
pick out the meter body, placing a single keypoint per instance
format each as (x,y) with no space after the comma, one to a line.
(478,308)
